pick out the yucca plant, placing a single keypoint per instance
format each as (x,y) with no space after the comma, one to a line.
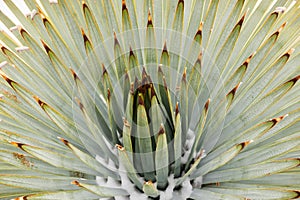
(153,99)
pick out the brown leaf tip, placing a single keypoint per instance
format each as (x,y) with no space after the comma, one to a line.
(22,198)
(46,47)
(233,91)
(76,183)
(126,123)
(104,71)
(124,5)
(184,75)
(8,80)
(130,52)
(140,99)
(85,38)
(116,39)
(66,142)
(281,27)
(120,147)
(79,103)
(108,94)
(39,101)
(177,109)
(294,80)
(207,104)
(199,31)
(180,1)
(161,130)
(199,59)
(165,49)
(149,19)
(244,144)
(278,119)
(241,20)
(248,59)
(3,48)
(74,74)
(17,144)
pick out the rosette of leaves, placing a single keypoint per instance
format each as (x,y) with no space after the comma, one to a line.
(150,99)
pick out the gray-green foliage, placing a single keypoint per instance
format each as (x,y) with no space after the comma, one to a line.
(135,99)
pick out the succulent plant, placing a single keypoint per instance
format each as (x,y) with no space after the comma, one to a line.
(150,100)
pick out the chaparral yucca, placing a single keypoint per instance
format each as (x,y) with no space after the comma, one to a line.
(153,99)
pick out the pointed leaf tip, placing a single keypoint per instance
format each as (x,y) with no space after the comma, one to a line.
(108,94)
(281,27)
(22,198)
(66,142)
(165,49)
(149,19)
(46,47)
(8,80)
(207,104)
(180,1)
(74,74)
(294,80)
(131,51)
(126,123)
(120,147)
(233,91)
(17,144)
(124,7)
(140,99)
(161,130)
(240,23)
(177,109)
(79,104)
(277,120)
(244,144)
(76,183)
(184,75)
(104,71)
(116,39)
(3,49)
(85,38)
(199,31)
(39,101)
(247,61)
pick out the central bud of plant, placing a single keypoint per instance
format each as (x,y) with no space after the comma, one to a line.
(151,141)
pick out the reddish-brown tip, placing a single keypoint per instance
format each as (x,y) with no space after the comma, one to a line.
(17,144)
(124,5)
(121,148)
(149,19)
(184,75)
(46,47)
(76,183)
(177,109)
(140,99)
(66,142)
(207,104)
(74,74)
(104,71)
(161,130)
(39,101)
